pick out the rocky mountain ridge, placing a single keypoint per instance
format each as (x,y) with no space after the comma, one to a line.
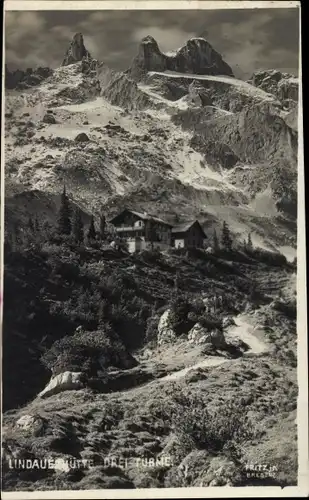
(196,56)
(24,79)
(283,85)
(194,144)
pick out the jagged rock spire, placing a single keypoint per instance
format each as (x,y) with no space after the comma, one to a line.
(76,51)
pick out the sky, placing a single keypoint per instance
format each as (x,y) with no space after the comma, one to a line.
(247,39)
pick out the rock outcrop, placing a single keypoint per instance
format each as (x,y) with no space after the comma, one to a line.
(166,333)
(196,56)
(82,137)
(30,423)
(199,335)
(123,91)
(49,118)
(76,51)
(283,85)
(63,382)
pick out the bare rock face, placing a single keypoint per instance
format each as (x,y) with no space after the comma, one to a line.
(166,333)
(123,91)
(199,335)
(283,85)
(194,95)
(150,55)
(76,51)
(197,56)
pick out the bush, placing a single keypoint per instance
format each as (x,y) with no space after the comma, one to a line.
(214,429)
(83,350)
(267,257)
(152,328)
(289,309)
(179,308)
(210,323)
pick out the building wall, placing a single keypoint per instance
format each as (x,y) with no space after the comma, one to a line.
(151,230)
(159,244)
(191,238)
(137,244)
(128,220)
(194,237)
(134,245)
(179,243)
(134,225)
(157,232)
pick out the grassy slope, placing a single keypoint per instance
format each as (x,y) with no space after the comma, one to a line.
(144,421)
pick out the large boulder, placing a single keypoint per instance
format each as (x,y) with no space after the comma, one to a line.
(30,423)
(63,382)
(199,335)
(49,118)
(166,334)
(82,137)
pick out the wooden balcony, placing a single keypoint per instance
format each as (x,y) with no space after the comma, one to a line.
(130,228)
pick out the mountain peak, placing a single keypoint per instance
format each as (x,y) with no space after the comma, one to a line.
(149,39)
(76,51)
(196,56)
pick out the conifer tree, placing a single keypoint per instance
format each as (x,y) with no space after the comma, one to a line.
(77,226)
(215,241)
(226,237)
(177,282)
(91,234)
(249,243)
(102,226)
(64,221)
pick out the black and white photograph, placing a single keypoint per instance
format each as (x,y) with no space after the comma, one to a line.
(153,272)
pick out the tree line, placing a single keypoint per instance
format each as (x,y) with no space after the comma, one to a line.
(70,222)
(226,240)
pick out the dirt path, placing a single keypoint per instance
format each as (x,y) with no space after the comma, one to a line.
(243,330)
(253,336)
